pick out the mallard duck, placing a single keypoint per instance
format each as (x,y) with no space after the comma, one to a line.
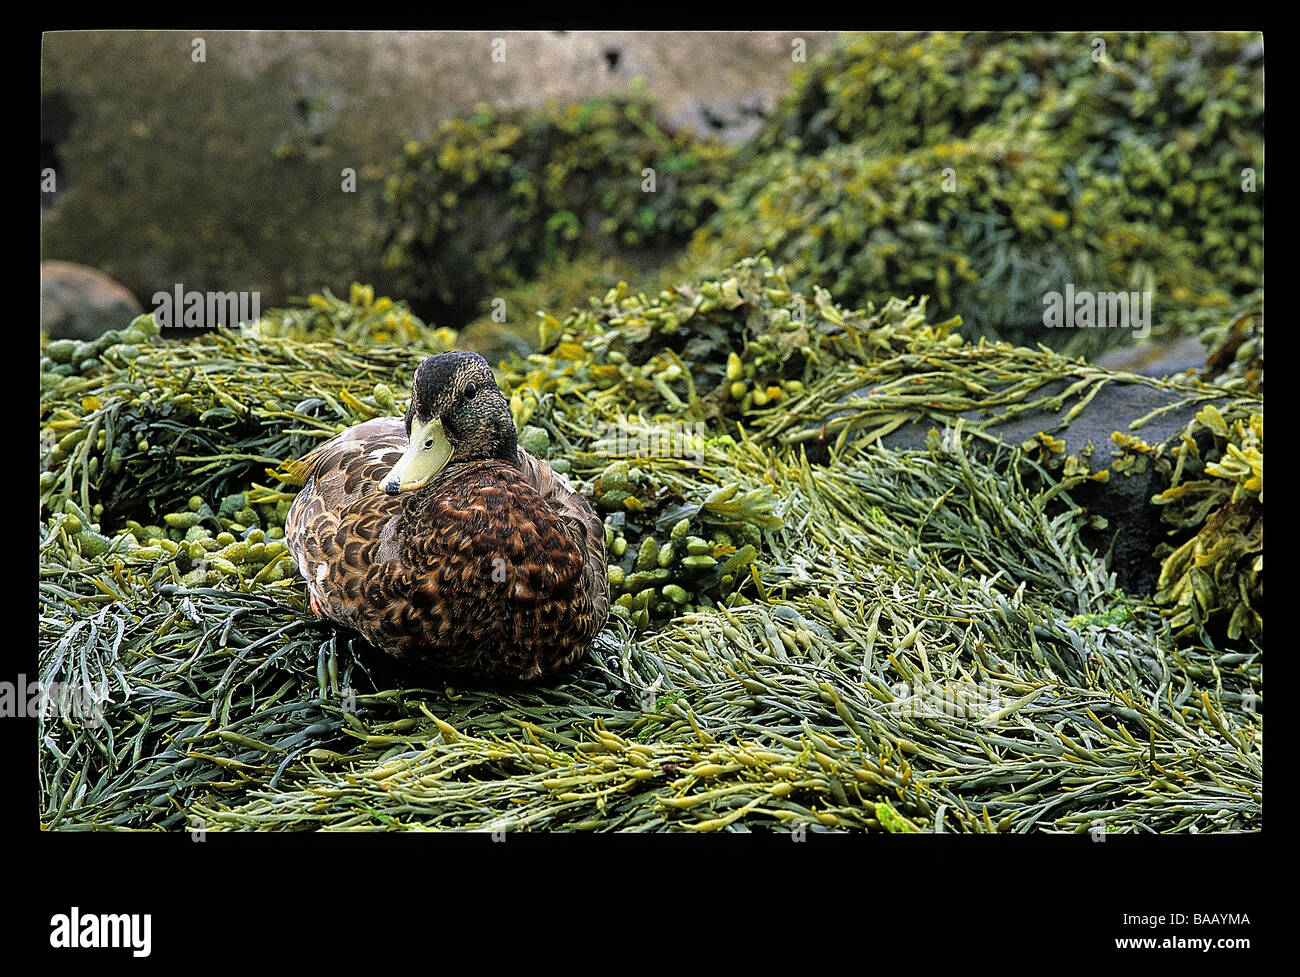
(443,542)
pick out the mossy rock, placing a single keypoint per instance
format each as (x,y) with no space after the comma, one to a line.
(477,208)
(987,170)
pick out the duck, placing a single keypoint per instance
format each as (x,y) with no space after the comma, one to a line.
(443,542)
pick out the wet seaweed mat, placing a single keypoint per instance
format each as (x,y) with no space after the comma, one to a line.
(888,681)
(903,640)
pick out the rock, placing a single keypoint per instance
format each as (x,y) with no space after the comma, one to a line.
(1156,359)
(228,173)
(730,119)
(81,303)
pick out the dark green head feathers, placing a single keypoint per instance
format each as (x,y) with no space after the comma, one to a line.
(457,415)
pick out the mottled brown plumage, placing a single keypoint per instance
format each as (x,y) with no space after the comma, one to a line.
(494,566)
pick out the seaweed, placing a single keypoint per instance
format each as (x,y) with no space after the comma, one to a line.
(985,170)
(909,640)
(491,199)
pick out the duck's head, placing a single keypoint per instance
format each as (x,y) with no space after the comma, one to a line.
(457,414)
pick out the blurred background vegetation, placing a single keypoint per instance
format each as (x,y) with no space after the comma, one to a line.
(982,170)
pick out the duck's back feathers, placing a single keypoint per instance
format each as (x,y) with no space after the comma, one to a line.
(351,465)
(582,525)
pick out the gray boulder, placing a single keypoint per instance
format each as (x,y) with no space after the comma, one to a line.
(1160,359)
(81,303)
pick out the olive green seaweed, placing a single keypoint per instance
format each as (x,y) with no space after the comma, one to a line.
(811,628)
(876,640)
(988,169)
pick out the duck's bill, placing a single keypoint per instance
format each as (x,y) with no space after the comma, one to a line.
(426,454)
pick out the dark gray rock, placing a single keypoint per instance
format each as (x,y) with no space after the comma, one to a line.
(1114,407)
(81,303)
(1157,359)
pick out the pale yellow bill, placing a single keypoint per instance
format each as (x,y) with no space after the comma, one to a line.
(426,454)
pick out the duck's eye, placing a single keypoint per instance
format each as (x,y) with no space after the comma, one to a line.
(428,443)
(470,390)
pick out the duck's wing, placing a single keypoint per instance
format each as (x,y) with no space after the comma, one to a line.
(361,453)
(327,531)
(583,526)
